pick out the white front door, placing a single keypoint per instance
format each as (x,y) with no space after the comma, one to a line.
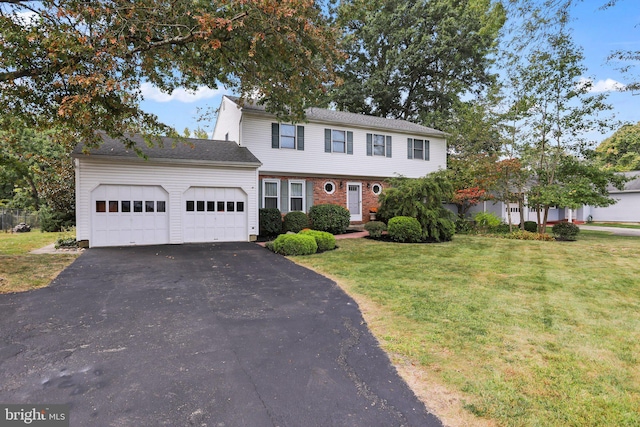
(354,200)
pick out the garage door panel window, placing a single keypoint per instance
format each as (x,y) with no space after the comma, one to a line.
(211,206)
(240,207)
(200,206)
(220,207)
(190,206)
(137,205)
(101,205)
(161,206)
(125,206)
(149,206)
(113,206)
(230,206)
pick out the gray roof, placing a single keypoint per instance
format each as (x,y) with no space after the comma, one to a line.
(353,119)
(189,149)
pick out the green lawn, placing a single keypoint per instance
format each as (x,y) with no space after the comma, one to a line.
(20,270)
(519,333)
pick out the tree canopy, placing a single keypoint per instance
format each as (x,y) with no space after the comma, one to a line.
(621,151)
(414,60)
(78,66)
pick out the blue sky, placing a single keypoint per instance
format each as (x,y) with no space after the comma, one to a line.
(599,32)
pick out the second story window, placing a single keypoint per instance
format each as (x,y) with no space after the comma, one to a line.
(338,141)
(287,136)
(378,145)
(417,149)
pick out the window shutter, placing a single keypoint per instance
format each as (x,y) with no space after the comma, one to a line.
(300,137)
(349,142)
(309,194)
(388,147)
(369,144)
(409,148)
(275,135)
(426,149)
(327,140)
(260,201)
(284,196)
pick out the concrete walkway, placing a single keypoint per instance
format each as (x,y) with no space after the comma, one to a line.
(613,230)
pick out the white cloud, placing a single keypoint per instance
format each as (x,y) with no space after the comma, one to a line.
(151,92)
(608,85)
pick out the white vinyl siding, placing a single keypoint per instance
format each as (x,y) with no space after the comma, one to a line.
(174,179)
(314,160)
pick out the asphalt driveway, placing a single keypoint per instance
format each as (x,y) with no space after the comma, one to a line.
(198,335)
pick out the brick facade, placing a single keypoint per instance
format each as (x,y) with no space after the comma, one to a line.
(339,195)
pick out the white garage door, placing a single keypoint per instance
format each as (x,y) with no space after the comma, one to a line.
(124,215)
(215,215)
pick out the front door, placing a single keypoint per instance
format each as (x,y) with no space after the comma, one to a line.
(354,200)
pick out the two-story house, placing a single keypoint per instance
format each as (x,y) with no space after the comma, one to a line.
(334,157)
(211,190)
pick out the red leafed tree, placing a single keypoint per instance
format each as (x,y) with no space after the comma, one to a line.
(468,197)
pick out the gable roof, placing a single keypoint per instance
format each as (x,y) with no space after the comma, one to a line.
(346,118)
(633,185)
(171,149)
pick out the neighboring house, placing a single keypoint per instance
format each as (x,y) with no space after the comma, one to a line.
(627,207)
(210,191)
(334,157)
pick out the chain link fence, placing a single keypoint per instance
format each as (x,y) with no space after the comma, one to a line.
(9,218)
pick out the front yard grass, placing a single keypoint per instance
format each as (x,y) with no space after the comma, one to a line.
(492,331)
(615,224)
(22,271)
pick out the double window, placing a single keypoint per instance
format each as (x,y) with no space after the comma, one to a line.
(287,136)
(378,145)
(286,195)
(338,141)
(417,149)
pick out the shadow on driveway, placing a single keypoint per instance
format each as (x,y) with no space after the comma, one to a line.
(204,335)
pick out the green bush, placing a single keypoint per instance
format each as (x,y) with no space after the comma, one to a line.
(527,235)
(270,222)
(565,231)
(53,221)
(531,226)
(487,220)
(333,219)
(66,243)
(404,229)
(465,226)
(295,244)
(501,229)
(295,221)
(326,241)
(375,228)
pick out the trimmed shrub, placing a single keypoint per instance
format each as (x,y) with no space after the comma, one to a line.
(566,231)
(531,226)
(487,220)
(404,229)
(527,235)
(295,244)
(326,241)
(333,219)
(501,229)
(375,228)
(295,221)
(270,222)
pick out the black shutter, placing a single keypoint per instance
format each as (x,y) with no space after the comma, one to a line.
(388,147)
(275,135)
(300,130)
(369,144)
(349,142)
(409,148)
(327,140)
(426,149)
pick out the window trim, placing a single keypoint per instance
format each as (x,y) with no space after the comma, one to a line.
(426,149)
(373,188)
(302,183)
(265,181)
(276,136)
(324,187)
(329,141)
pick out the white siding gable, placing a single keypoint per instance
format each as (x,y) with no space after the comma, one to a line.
(228,123)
